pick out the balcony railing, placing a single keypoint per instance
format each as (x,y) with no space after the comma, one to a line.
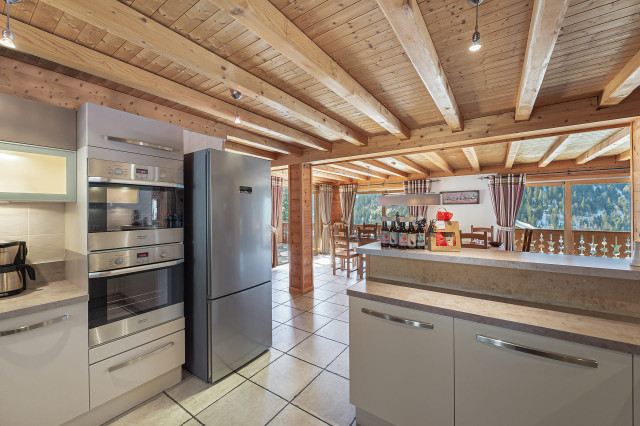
(585,243)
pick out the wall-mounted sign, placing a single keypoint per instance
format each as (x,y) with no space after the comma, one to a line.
(461,197)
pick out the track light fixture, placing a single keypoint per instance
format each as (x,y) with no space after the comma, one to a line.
(7,36)
(236,95)
(475,38)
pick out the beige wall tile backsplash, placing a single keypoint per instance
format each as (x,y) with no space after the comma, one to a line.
(41,225)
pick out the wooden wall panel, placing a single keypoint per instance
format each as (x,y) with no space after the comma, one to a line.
(300,229)
(336,210)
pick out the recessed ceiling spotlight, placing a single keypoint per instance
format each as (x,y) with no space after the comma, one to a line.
(236,95)
(475,38)
(7,36)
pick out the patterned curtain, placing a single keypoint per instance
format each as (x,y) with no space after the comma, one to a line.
(347,201)
(276,216)
(419,186)
(506,196)
(325,194)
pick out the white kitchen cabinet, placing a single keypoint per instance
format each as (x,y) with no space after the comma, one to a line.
(401,371)
(498,383)
(44,371)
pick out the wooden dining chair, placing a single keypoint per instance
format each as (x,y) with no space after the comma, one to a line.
(487,229)
(365,236)
(526,243)
(370,226)
(477,240)
(342,250)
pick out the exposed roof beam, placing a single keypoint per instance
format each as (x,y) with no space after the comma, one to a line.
(546,21)
(385,167)
(623,83)
(408,24)
(472,157)
(267,22)
(249,150)
(126,22)
(261,142)
(361,170)
(554,150)
(439,162)
(412,165)
(624,156)
(339,172)
(325,175)
(619,138)
(512,153)
(53,48)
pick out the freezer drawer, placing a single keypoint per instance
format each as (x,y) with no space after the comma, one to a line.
(240,329)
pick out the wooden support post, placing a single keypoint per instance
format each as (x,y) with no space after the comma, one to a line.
(568,228)
(300,229)
(635,181)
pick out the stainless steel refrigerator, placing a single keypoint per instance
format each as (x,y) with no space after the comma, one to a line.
(227,261)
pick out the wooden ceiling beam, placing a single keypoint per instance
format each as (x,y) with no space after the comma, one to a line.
(56,49)
(382,166)
(546,22)
(324,175)
(264,20)
(413,165)
(336,171)
(249,150)
(123,21)
(472,158)
(554,150)
(361,170)
(619,138)
(408,24)
(261,142)
(512,153)
(624,156)
(439,162)
(623,83)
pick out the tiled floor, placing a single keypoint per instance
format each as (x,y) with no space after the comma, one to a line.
(302,380)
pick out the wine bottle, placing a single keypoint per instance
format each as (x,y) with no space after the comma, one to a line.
(420,237)
(403,237)
(413,236)
(393,236)
(384,235)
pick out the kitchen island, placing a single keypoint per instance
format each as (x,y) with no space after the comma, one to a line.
(474,337)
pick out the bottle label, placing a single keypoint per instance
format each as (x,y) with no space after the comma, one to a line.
(403,239)
(412,240)
(384,238)
(420,240)
(394,237)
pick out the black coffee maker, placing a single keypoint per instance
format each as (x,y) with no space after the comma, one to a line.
(13,268)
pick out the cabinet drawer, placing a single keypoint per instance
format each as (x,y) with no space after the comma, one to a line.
(44,371)
(401,372)
(505,377)
(126,371)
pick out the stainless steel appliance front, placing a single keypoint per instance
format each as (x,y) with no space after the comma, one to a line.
(121,259)
(123,172)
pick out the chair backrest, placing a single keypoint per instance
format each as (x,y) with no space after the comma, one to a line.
(487,229)
(339,238)
(367,236)
(526,243)
(370,226)
(478,240)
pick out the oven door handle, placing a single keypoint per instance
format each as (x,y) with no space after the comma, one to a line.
(133,269)
(97,179)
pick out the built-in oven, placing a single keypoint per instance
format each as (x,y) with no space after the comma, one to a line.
(134,289)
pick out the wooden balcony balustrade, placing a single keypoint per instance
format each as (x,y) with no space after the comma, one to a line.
(585,243)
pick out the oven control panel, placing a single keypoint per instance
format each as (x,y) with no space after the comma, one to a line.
(117,259)
(108,170)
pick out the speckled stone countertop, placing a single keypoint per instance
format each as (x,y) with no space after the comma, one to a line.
(40,298)
(579,265)
(616,334)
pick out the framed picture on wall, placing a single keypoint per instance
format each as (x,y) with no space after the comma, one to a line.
(461,197)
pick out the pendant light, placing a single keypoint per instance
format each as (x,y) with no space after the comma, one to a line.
(475,38)
(7,36)
(236,95)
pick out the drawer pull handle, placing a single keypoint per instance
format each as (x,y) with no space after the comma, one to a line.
(140,358)
(33,326)
(538,352)
(133,269)
(397,319)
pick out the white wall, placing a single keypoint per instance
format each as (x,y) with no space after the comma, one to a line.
(467,215)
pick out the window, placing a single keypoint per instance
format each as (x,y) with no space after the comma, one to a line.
(285,204)
(366,209)
(601,207)
(401,210)
(543,207)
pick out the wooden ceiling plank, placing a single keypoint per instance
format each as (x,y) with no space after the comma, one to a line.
(439,162)
(407,22)
(472,157)
(272,26)
(624,156)
(336,171)
(625,82)
(261,142)
(131,25)
(546,22)
(57,49)
(554,150)
(413,165)
(249,150)
(324,175)
(361,170)
(383,166)
(619,138)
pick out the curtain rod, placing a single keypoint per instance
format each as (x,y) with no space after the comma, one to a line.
(570,172)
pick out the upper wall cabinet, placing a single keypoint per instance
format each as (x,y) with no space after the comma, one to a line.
(34,173)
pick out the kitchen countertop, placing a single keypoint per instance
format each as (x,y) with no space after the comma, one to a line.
(578,265)
(616,334)
(40,298)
